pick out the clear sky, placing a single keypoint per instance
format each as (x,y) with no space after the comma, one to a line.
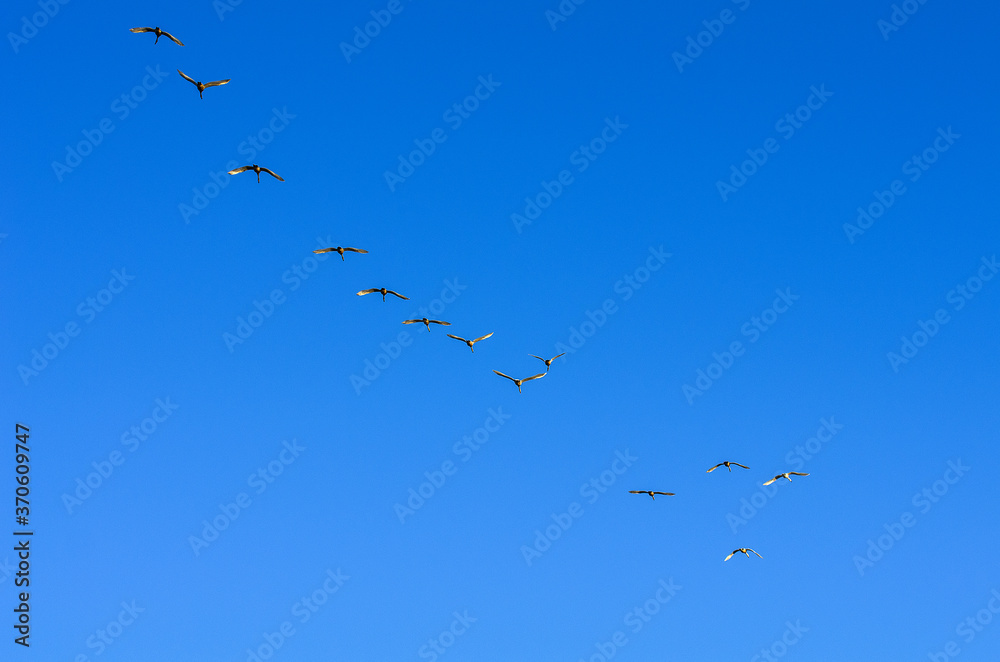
(762,233)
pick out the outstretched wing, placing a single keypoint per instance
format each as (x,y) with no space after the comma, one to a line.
(537,357)
(272,174)
(413,321)
(637,492)
(214,83)
(503,375)
(740,465)
(439,322)
(456,337)
(374,289)
(796,473)
(397,294)
(557,356)
(665,493)
(750,550)
(171,37)
(772,480)
(354,250)
(186,77)
(715,467)
(241,168)
(483,337)
(730,555)
(320,250)
(528,379)
(142,30)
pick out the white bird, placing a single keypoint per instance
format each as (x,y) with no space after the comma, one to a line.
(158,33)
(547,362)
(650,493)
(257,169)
(203,86)
(426,322)
(726,465)
(382,291)
(737,551)
(341,250)
(785,475)
(470,343)
(520,381)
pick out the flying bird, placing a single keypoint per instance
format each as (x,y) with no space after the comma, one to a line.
(382,291)
(256,168)
(426,322)
(159,33)
(470,343)
(202,86)
(342,250)
(650,493)
(520,381)
(547,362)
(737,551)
(726,465)
(785,475)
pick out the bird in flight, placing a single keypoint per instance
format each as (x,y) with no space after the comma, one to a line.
(202,86)
(737,551)
(470,343)
(426,322)
(256,168)
(159,33)
(520,381)
(547,362)
(382,291)
(651,493)
(726,465)
(342,250)
(785,475)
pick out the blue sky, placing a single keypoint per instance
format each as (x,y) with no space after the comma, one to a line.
(673,195)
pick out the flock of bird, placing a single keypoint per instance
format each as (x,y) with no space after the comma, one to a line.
(425,321)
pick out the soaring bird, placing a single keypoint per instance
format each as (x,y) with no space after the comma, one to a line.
(741,549)
(547,362)
(381,290)
(650,493)
(520,381)
(426,322)
(159,33)
(256,168)
(726,465)
(201,88)
(470,343)
(785,475)
(342,250)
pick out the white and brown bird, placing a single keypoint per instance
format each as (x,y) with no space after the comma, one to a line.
(203,86)
(726,464)
(547,362)
(470,343)
(787,474)
(426,322)
(158,32)
(737,551)
(651,493)
(257,169)
(382,291)
(342,250)
(520,381)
